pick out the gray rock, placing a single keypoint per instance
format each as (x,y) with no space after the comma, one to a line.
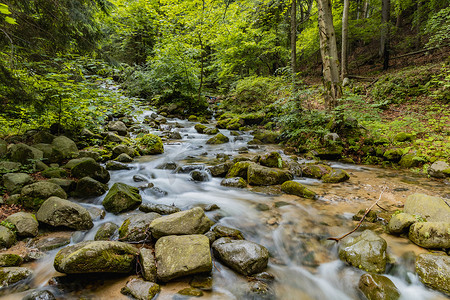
(169,165)
(430,234)
(106,231)
(11,275)
(140,289)
(161,209)
(63,148)
(59,212)
(118,126)
(123,149)
(224,231)
(25,223)
(148,264)
(198,175)
(220,170)
(193,221)
(433,209)
(42,137)
(336,176)
(434,271)
(90,168)
(236,182)
(178,256)
(378,287)
(88,187)
(23,153)
(366,251)
(47,150)
(89,154)
(439,169)
(245,257)
(114,138)
(3,147)
(68,185)
(400,223)
(40,295)
(122,197)
(54,173)
(115,166)
(96,257)
(137,228)
(124,158)
(259,175)
(33,195)
(14,182)
(73,162)
(9,166)
(48,243)
(10,260)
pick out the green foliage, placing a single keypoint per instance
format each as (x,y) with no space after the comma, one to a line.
(4,14)
(8,225)
(438,27)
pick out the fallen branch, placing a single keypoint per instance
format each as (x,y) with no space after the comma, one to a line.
(360,222)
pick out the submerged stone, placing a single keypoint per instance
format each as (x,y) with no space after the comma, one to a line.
(11,275)
(218,139)
(336,176)
(296,188)
(378,287)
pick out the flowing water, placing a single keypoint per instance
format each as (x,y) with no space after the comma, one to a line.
(295,230)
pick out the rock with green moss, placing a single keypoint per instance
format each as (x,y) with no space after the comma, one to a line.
(430,234)
(410,160)
(63,148)
(7,237)
(10,260)
(14,182)
(192,221)
(210,131)
(106,231)
(434,271)
(118,126)
(150,144)
(234,124)
(33,195)
(95,155)
(9,166)
(3,147)
(260,175)
(116,165)
(332,152)
(336,176)
(96,257)
(90,168)
(266,137)
(245,257)
(366,251)
(218,139)
(224,231)
(12,275)
(68,185)
(298,189)
(140,289)
(439,169)
(124,149)
(178,256)
(200,128)
(122,197)
(222,124)
(371,216)
(59,212)
(403,137)
(236,182)
(239,169)
(220,170)
(89,187)
(137,227)
(148,264)
(400,223)
(54,173)
(316,171)
(25,224)
(272,160)
(378,287)
(23,153)
(124,158)
(394,154)
(191,292)
(73,162)
(433,209)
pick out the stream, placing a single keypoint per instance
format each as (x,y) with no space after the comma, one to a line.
(294,230)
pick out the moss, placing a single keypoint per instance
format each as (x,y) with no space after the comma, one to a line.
(10,260)
(295,188)
(336,176)
(123,230)
(218,139)
(316,171)
(403,137)
(200,128)
(239,169)
(394,154)
(151,144)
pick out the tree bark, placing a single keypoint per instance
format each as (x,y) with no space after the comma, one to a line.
(344,54)
(384,49)
(294,41)
(328,50)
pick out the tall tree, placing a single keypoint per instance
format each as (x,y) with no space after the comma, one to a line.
(328,50)
(344,55)
(384,49)
(294,41)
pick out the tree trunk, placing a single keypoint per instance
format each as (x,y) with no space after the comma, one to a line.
(328,50)
(344,55)
(294,41)
(384,49)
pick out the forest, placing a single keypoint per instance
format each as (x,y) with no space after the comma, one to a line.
(337,103)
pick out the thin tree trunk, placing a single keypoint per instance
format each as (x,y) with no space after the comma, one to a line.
(201,53)
(365,9)
(328,50)
(294,41)
(344,55)
(384,49)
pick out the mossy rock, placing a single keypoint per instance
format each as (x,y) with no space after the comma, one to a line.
(90,168)
(316,171)
(148,264)
(23,153)
(25,224)
(239,169)
(200,128)
(10,260)
(394,154)
(140,289)
(295,188)
(12,275)
(137,227)
(89,187)
(336,176)
(378,287)
(400,223)
(235,182)
(211,131)
(224,231)
(403,137)
(222,124)
(234,124)
(266,137)
(151,144)
(218,139)
(430,235)
(434,271)
(272,160)
(192,118)
(410,160)
(106,231)
(54,173)
(260,175)
(122,197)
(7,237)
(14,182)
(33,195)
(190,292)
(63,148)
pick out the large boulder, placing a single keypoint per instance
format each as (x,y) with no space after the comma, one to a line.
(89,187)
(336,176)
(400,223)
(3,147)
(259,175)
(298,189)
(9,166)
(140,289)
(14,182)
(68,185)
(63,148)
(245,257)
(25,223)
(151,144)
(218,139)
(430,234)
(118,126)
(7,237)
(60,212)
(433,209)
(123,149)
(10,260)
(178,256)
(378,287)
(272,160)
(106,231)
(239,169)
(33,195)
(137,228)
(148,264)
(193,221)
(24,154)
(47,150)
(316,171)
(54,173)
(439,169)
(11,275)
(96,257)
(366,251)
(122,197)
(89,167)
(434,271)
